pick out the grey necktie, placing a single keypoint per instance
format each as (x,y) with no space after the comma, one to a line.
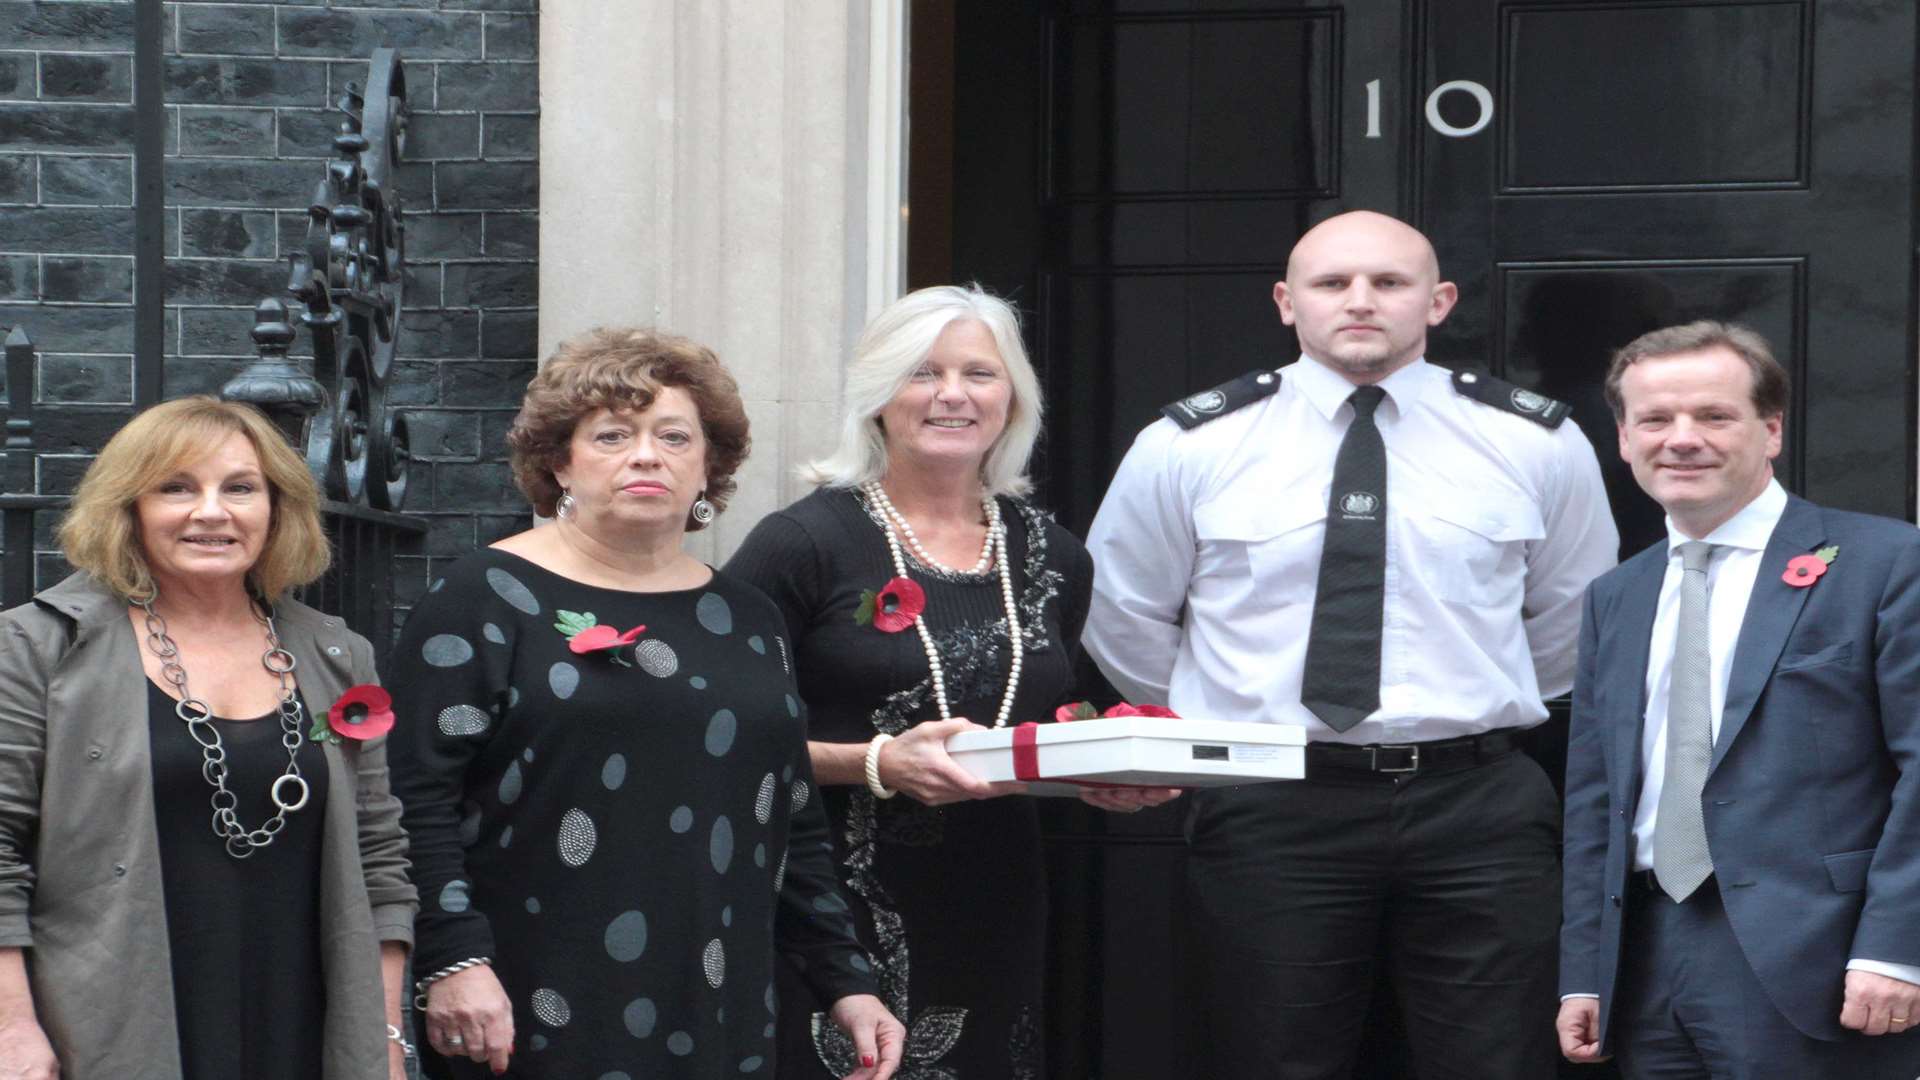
(1680,858)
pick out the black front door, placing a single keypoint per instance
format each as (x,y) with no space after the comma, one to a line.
(1134,174)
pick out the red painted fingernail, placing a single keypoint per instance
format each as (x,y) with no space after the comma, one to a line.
(866,1061)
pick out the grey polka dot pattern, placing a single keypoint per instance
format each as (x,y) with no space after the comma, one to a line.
(757,644)
(785,665)
(681,819)
(780,873)
(508,588)
(615,1075)
(793,705)
(680,1043)
(726,915)
(614,772)
(454,897)
(551,1009)
(640,1016)
(459,721)
(829,904)
(564,679)
(494,634)
(577,837)
(537,1042)
(469,823)
(437,582)
(720,732)
(720,844)
(527,755)
(763,801)
(511,784)
(714,614)
(513,697)
(446,650)
(760,855)
(626,936)
(506,836)
(859,963)
(656,658)
(786,772)
(533,905)
(798,796)
(713,960)
(697,683)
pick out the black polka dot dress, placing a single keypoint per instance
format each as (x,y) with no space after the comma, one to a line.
(628,832)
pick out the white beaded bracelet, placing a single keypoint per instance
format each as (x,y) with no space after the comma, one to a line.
(880,790)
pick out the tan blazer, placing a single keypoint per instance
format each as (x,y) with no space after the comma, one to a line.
(80,885)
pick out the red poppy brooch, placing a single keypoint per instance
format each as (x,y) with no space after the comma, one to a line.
(585,635)
(1083,710)
(894,607)
(363,712)
(1803,570)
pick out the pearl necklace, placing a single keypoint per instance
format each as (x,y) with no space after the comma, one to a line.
(996,545)
(992,510)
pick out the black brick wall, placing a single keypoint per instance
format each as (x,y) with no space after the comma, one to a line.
(249,91)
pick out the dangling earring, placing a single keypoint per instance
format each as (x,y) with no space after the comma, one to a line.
(564,507)
(703,511)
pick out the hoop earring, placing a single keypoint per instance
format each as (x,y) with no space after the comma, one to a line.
(565,507)
(703,511)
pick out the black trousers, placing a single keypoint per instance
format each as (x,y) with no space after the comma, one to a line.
(1451,880)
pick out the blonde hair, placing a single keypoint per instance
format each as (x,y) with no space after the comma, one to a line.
(895,343)
(101,531)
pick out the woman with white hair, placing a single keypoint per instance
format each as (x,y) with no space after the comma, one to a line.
(924,597)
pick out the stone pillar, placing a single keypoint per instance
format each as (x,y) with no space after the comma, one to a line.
(714,167)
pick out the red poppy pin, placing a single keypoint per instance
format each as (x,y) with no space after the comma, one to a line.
(894,607)
(363,712)
(585,635)
(1803,570)
(1082,710)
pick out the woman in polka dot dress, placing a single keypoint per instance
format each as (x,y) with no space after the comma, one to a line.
(603,759)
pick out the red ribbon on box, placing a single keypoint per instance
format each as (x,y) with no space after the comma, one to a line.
(1026,760)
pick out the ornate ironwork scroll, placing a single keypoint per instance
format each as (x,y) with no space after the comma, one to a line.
(349,281)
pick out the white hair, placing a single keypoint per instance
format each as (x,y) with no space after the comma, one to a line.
(896,343)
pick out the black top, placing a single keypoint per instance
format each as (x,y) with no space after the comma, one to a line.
(626,833)
(950,900)
(244,933)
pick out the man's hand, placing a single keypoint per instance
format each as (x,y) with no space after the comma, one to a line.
(1579,1028)
(1878,1005)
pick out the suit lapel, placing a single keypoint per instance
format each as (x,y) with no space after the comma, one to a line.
(1772,610)
(1639,600)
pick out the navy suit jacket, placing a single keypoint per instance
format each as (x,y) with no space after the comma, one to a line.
(1812,801)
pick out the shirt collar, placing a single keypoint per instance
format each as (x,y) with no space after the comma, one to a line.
(1328,390)
(1750,528)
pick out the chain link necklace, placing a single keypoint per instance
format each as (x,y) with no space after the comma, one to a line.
(240,841)
(996,546)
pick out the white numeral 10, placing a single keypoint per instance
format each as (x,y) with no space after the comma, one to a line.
(1480,94)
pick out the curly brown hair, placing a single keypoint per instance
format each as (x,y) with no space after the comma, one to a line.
(624,368)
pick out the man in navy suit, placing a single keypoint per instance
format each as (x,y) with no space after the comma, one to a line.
(1742,885)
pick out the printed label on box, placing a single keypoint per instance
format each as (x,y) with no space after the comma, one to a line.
(1253,754)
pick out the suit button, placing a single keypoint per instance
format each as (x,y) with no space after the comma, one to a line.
(333,650)
(119,869)
(94,753)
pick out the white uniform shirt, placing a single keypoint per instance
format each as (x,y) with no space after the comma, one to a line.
(1207,556)
(1741,543)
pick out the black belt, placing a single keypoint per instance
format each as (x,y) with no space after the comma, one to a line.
(1403,759)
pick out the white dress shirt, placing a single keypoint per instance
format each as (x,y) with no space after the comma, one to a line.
(1739,543)
(1207,557)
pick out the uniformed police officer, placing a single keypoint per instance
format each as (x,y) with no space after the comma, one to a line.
(1392,556)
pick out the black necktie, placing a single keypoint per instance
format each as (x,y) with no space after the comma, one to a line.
(1342,682)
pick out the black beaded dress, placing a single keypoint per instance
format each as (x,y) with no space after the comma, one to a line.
(244,934)
(950,901)
(627,833)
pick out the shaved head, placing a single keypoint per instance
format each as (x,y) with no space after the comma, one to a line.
(1362,290)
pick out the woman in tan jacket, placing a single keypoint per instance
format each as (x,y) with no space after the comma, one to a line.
(202,873)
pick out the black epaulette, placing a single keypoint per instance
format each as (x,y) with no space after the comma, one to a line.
(1507,397)
(1196,409)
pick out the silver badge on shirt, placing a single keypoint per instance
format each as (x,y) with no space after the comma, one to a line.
(1528,401)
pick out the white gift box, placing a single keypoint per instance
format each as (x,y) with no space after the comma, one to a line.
(1150,751)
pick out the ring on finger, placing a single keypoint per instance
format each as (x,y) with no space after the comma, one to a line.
(456,1040)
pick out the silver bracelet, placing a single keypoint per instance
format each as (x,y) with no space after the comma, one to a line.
(420,985)
(880,790)
(393,1035)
